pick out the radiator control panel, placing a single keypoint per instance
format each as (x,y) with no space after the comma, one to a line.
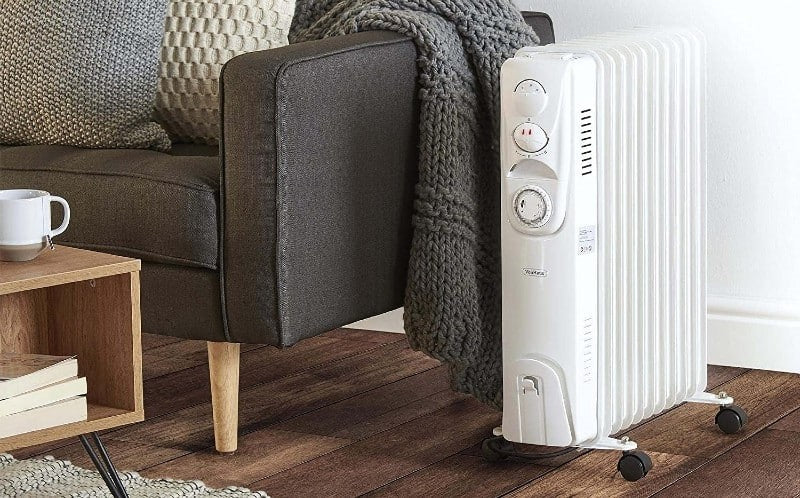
(548,218)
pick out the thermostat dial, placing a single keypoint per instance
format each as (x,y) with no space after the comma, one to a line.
(533,206)
(530,137)
(530,98)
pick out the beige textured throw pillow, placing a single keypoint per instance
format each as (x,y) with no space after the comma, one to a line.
(200,36)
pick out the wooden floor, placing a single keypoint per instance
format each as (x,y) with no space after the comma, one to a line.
(354,412)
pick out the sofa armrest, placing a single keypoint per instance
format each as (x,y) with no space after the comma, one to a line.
(319,158)
(542,24)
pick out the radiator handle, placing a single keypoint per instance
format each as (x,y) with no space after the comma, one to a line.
(542,412)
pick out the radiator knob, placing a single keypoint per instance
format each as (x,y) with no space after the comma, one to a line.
(530,137)
(533,206)
(530,98)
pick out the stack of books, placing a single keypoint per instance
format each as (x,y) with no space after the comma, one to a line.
(38,392)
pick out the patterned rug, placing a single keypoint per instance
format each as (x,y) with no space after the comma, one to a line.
(48,477)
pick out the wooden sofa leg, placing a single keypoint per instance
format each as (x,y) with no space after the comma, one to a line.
(223,364)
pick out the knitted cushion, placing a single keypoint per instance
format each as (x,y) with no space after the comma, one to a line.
(200,36)
(80,73)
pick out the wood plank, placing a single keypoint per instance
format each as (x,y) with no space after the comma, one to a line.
(156,366)
(463,476)
(689,429)
(401,415)
(766,465)
(126,455)
(718,375)
(260,454)
(150,341)
(373,462)
(41,449)
(63,266)
(359,411)
(174,356)
(189,387)
(790,422)
(365,335)
(595,474)
(552,462)
(286,397)
(194,350)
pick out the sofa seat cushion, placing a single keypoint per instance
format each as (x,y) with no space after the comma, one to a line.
(158,207)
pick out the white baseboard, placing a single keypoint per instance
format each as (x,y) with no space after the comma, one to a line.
(754,334)
(387,322)
(741,332)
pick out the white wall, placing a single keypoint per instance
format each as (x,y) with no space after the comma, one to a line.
(754,163)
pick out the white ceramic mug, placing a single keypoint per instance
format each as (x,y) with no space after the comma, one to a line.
(25,223)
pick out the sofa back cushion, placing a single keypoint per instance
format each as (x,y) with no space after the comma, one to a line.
(200,36)
(80,73)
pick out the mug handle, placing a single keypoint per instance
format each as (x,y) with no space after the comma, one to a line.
(65,223)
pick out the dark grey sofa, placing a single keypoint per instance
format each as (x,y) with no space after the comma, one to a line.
(299,223)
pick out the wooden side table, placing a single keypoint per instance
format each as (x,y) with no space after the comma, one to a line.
(76,302)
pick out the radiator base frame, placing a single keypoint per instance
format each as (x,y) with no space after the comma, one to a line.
(633,464)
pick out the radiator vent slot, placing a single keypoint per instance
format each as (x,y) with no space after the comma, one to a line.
(586,142)
(588,350)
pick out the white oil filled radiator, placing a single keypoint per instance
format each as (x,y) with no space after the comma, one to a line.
(603,241)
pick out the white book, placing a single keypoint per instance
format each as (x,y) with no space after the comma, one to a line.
(20,373)
(44,417)
(47,395)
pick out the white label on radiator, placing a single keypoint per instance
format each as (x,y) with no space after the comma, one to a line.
(534,272)
(586,239)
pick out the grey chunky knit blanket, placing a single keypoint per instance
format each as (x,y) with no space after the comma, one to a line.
(452,302)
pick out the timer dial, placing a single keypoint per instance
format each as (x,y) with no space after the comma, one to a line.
(533,206)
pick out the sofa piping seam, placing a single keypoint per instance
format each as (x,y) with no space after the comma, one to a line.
(153,179)
(174,259)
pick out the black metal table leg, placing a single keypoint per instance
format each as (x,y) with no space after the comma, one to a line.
(104,465)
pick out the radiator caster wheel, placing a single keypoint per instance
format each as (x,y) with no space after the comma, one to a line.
(633,465)
(496,449)
(730,419)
